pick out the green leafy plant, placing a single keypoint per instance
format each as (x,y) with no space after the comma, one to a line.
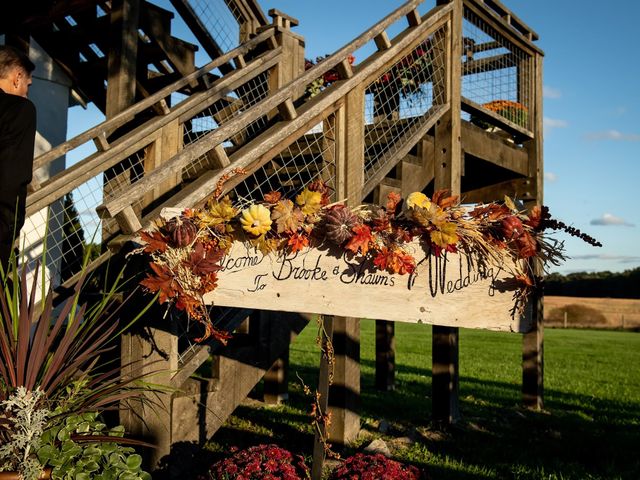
(83,447)
(52,368)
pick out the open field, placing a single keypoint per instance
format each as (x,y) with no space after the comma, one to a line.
(590,428)
(592,312)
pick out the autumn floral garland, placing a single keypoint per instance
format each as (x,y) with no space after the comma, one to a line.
(186,250)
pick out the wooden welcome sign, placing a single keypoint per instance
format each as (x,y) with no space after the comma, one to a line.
(448,290)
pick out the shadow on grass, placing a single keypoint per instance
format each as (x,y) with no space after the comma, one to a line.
(577,437)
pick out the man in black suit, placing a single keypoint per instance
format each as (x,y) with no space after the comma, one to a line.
(17,136)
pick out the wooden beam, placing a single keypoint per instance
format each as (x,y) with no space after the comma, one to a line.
(493,149)
(344,394)
(101,142)
(382,41)
(122,56)
(448,161)
(125,116)
(385,355)
(493,118)
(521,189)
(201,32)
(533,342)
(489,64)
(501,26)
(287,110)
(413,18)
(390,159)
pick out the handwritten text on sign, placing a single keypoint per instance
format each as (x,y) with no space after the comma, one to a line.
(449,291)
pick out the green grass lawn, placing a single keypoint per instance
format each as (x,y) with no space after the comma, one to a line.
(590,428)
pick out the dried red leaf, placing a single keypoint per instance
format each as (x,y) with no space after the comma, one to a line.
(525,280)
(402,235)
(272,197)
(393,199)
(395,261)
(324,189)
(535,217)
(381,221)
(155,241)
(443,199)
(491,212)
(204,262)
(512,227)
(162,281)
(297,242)
(527,245)
(361,239)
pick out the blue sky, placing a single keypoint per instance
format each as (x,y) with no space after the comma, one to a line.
(591,109)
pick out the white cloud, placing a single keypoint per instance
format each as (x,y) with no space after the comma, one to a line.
(550,176)
(620,111)
(604,256)
(550,92)
(550,123)
(614,135)
(607,219)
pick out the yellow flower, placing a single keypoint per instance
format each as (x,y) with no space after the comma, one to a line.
(418,199)
(256,220)
(217,212)
(445,235)
(309,201)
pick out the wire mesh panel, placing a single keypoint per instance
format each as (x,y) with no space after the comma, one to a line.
(397,102)
(311,157)
(496,73)
(232,105)
(219,20)
(63,232)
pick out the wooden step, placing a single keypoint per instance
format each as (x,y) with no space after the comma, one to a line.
(237,370)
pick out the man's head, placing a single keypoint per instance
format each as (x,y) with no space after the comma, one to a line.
(15,71)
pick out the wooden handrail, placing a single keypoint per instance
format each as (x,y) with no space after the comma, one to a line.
(143,135)
(496,119)
(502,25)
(503,12)
(308,113)
(128,114)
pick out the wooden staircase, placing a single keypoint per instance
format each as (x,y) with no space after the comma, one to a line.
(81,41)
(255,123)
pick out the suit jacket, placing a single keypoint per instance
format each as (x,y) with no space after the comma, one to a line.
(17,136)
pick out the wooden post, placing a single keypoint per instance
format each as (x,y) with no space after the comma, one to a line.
(291,65)
(160,151)
(344,395)
(343,398)
(325,375)
(149,417)
(385,355)
(533,342)
(121,81)
(275,381)
(448,166)
(123,54)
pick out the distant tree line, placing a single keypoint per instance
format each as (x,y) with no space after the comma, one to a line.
(599,284)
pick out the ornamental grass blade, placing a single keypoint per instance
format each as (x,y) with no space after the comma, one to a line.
(7,343)
(60,354)
(24,329)
(38,353)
